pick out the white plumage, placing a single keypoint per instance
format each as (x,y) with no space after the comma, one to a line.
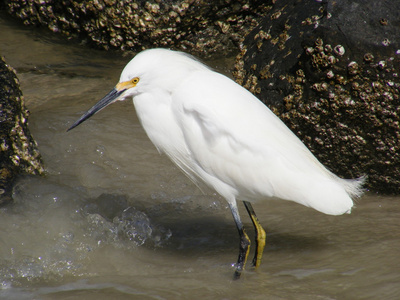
(218,133)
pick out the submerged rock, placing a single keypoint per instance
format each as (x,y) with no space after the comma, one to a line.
(330,70)
(18,150)
(203,27)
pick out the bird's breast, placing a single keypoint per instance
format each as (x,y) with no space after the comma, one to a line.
(158,121)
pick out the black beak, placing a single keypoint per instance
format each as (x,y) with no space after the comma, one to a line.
(107,100)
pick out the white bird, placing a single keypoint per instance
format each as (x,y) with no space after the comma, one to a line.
(220,134)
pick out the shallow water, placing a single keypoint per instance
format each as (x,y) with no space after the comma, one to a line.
(113,219)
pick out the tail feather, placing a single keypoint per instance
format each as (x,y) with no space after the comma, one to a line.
(354,187)
(333,197)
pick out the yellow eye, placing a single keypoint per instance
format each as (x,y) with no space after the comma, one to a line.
(127,84)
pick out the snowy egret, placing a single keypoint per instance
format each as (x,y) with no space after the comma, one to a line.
(218,133)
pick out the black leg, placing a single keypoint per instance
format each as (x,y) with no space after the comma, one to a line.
(260,234)
(244,246)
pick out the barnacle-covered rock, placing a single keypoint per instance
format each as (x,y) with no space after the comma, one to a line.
(330,70)
(18,150)
(203,26)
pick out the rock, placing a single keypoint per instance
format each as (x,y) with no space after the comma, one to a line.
(18,150)
(330,71)
(201,27)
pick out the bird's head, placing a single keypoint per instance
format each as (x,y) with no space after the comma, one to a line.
(149,70)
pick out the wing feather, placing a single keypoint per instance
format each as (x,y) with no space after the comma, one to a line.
(235,138)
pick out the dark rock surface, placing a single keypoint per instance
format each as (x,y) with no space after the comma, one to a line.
(201,27)
(18,150)
(330,70)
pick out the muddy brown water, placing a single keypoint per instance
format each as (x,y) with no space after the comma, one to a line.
(113,219)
